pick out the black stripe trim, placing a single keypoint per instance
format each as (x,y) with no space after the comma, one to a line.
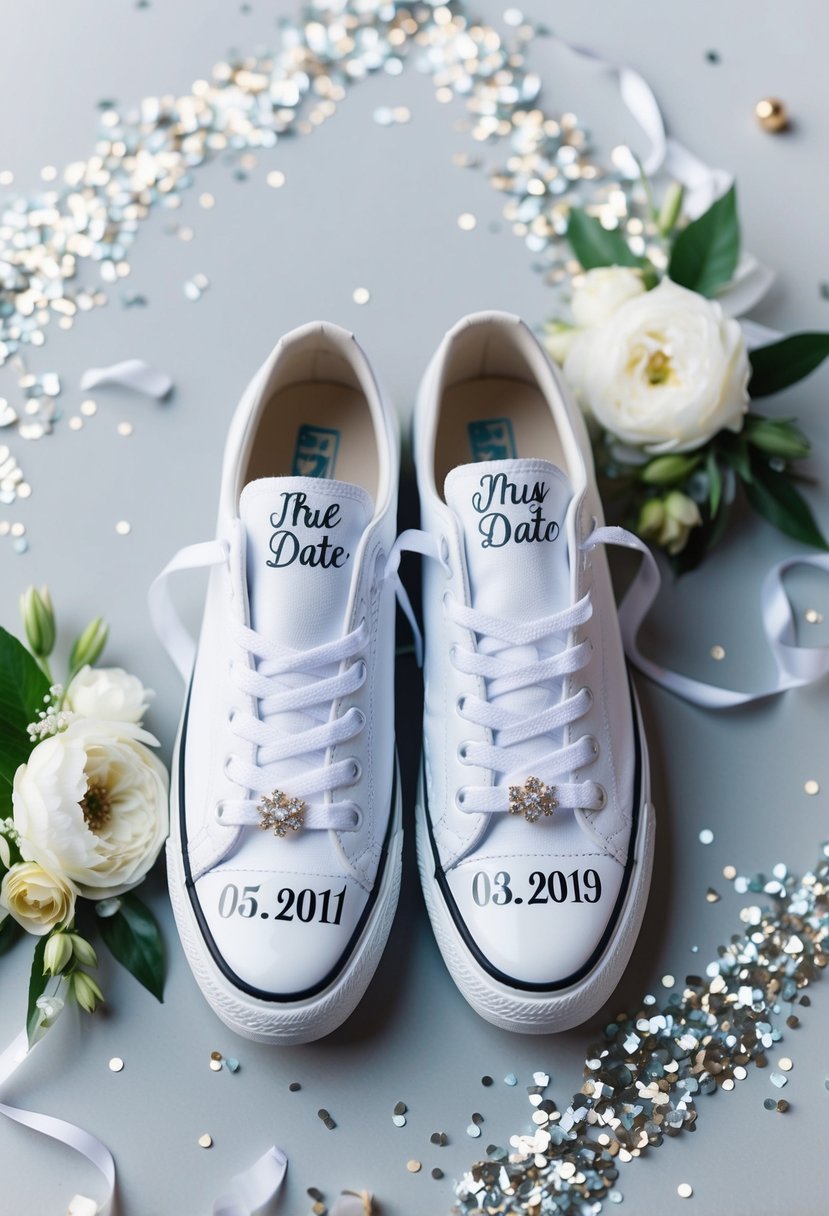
(218,959)
(594,958)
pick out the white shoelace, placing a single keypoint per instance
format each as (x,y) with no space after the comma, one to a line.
(280,681)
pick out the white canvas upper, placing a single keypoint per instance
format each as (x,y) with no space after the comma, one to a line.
(524,677)
(292,691)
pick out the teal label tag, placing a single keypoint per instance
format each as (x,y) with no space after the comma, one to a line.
(316,452)
(492,439)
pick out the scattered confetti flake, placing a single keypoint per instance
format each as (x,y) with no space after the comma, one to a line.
(275,179)
(125,429)
(813,617)
(116,1064)
(215,1065)
(467,221)
(685,1190)
(473,1131)
(713,56)
(232,1064)
(486,1082)
(812,787)
(206,201)
(361,295)
(712,896)
(439,1138)
(717,652)
(781,1106)
(510,1079)
(437,1173)
(89,409)
(123,527)
(778,1079)
(706,836)
(785,1063)
(399,1120)
(729,872)
(414,1167)
(668,981)
(206,1140)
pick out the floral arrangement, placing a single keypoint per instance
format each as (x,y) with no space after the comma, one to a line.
(669,383)
(83,814)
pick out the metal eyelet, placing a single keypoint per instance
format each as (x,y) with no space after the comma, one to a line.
(601,797)
(594,744)
(463,751)
(358,820)
(443,551)
(357,770)
(589,691)
(461,701)
(460,797)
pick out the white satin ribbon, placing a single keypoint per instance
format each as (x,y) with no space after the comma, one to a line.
(250,1191)
(130,373)
(796,665)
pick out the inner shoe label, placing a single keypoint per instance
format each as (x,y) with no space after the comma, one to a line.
(315,453)
(491,439)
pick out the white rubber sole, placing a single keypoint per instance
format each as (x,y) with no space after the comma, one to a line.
(542,1012)
(284,1023)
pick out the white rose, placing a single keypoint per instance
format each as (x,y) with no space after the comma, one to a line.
(91,803)
(36,899)
(666,372)
(109,693)
(598,293)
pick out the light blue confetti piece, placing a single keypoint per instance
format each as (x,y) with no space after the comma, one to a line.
(779,1079)
(399,1120)
(231,1064)
(706,836)
(511,1079)
(473,1131)
(615,1196)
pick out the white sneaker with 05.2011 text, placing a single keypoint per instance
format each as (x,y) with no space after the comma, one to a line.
(535,827)
(284,855)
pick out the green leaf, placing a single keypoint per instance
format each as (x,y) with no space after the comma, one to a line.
(706,252)
(595,246)
(774,497)
(734,451)
(701,541)
(22,689)
(10,931)
(712,468)
(38,983)
(133,937)
(776,366)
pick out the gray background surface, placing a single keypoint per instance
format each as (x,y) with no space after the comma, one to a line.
(377,207)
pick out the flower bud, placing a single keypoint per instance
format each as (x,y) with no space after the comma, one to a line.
(671,208)
(5,852)
(86,991)
(776,437)
(38,619)
(667,470)
(57,953)
(669,521)
(83,951)
(89,646)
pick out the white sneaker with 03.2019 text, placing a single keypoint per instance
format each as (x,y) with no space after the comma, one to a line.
(284,855)
(535,827)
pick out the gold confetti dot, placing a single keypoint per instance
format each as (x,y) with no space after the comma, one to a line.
(668,981)
(414,1167)
(717,653)
(89,409)
(206,201)
(467,221)
(216,1055)
(275,178)
(125,428)
(215,1066)
(685,1190)
(712,896)
(206,1141)
(785,1063)
(185,234)
(361,295)
(813,617)
(75,423)
(812,787)
(17,529)
(123,527)
(24,490)
(729,872)
(116,1064)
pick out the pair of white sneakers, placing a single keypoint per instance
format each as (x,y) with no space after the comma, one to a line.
(534,823)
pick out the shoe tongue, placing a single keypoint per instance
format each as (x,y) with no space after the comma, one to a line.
(302,535)
(512,513)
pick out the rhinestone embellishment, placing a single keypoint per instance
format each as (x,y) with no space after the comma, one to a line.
(280,812)
(532,799)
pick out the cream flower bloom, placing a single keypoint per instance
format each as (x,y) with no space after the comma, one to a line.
(91,804)
(665,372)
(35,898)
(598,293)
(108,693)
